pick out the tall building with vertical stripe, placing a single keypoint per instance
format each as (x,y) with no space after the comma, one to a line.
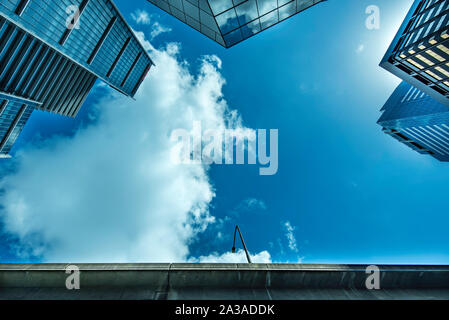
(417,120)
(53,51)
(419,54)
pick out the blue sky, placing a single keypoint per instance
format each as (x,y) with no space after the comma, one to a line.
(344,192)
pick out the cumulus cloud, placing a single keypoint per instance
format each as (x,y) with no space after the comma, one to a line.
(238,257)
(158,29)
(290,236)
(141,17)
(109,193)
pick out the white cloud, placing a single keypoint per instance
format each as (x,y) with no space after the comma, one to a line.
(249,205)
(238,257)
(109,193)
(171,49)
(158,29)
(141,17)
(255,204)
(290,236)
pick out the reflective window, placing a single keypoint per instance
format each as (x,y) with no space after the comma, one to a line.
(231,21)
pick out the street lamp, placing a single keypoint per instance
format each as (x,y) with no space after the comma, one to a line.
(243,242)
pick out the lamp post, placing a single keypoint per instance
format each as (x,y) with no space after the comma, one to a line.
(243,242)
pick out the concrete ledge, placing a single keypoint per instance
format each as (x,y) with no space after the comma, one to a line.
(222,281)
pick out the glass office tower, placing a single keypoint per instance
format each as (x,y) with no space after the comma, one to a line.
(229,22)
(31,69)
(417,120)
(14,113)
(53,51)
(419,53)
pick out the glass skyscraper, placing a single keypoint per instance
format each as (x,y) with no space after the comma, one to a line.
(53,51)
(229,22)
(14,113)
(419,53)
(417,120)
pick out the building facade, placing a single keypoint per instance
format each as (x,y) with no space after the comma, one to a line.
(417,120)
(14,114)
(53,51)
(419,54)
(229,22)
